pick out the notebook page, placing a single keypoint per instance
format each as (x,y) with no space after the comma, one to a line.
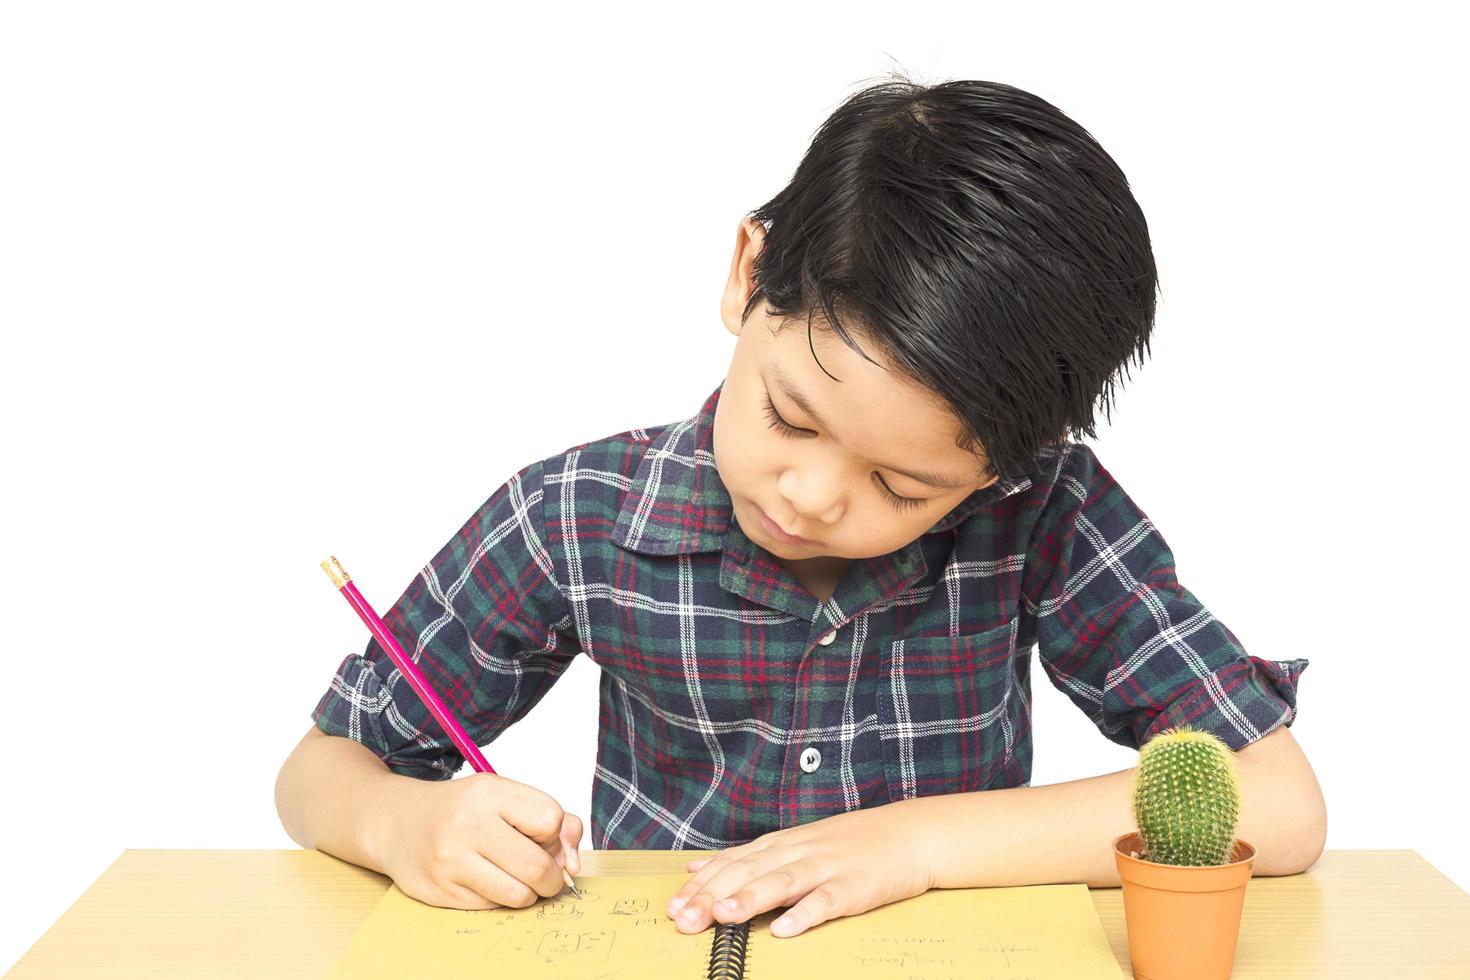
(1034,932)
(618,929)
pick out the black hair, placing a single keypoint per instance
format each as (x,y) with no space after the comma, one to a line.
(984,241)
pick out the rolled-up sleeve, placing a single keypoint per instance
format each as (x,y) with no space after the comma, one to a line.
(486,624)
(1121,637)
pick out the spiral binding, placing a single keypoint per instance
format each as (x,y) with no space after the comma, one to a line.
(727,950)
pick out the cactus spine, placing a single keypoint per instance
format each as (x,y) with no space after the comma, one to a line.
(1186,798)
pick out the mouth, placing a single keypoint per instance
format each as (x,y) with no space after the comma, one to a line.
(774,529)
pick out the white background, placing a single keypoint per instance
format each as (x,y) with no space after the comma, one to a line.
(280,280)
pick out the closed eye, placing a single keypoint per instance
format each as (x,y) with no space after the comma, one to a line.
(899,502)
(777,422)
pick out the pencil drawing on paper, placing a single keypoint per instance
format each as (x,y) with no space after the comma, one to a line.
(558,911)
(558,944)
(630,906)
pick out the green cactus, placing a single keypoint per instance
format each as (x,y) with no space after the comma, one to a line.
(1186,798)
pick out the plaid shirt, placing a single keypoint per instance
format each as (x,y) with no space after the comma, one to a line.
(734,702)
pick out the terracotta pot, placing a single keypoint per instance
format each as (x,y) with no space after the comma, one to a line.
(1182,921)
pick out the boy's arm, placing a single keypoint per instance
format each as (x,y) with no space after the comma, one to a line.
(1120,635)
(1126,642)
(855,861)
(1063,833)
(487,624)
(1139,653)
(332,793)
(477,843)
(484,621)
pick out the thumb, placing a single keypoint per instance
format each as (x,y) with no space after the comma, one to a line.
(571,836)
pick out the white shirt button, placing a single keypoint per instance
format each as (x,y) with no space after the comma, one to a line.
(810,759)
(827,639)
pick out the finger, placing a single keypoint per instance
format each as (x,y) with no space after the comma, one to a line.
(710,866)
(522,857)
(781,885)
(486,885)
(707,871)
(819,905)
(571,839)
(733,875)
(536,817)
(534,814)
(696,865)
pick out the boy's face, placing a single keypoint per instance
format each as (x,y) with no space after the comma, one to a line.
(831,483)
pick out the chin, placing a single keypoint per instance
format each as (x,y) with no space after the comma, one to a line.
(793,551)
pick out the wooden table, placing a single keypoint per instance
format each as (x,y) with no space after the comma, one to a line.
(278,914)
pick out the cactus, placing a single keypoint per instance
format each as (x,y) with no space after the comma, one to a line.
(1186,798)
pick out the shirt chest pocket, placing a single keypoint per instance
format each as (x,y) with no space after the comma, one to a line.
(949,709)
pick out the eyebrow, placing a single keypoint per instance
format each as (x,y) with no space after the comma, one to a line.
(937,480)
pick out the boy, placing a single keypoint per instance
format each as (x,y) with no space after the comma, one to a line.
(813,602)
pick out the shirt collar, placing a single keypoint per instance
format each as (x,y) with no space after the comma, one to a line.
(677,503)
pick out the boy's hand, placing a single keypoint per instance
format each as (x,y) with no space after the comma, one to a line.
(480,842)
(836,866)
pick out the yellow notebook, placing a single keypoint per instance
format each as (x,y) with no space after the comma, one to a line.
(619,930)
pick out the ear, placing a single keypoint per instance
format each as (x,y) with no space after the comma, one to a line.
(750,235)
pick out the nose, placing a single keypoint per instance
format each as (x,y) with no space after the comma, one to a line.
(813,492)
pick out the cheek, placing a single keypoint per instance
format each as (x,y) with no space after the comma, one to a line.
(741,451)
(892,530)
(886,525)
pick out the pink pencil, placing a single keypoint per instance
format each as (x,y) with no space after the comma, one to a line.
(437,708)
